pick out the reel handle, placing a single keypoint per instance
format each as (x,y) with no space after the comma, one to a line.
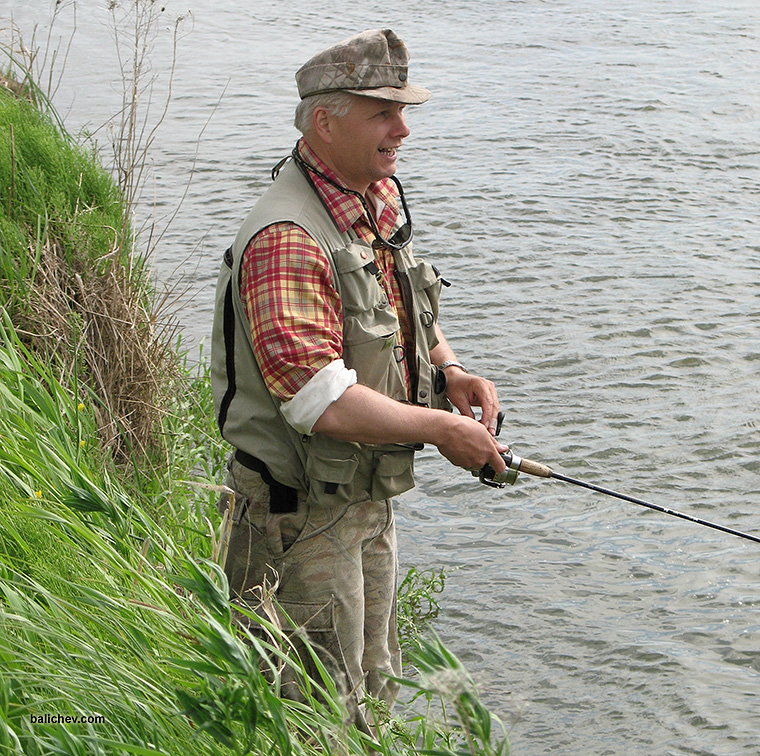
(489,477)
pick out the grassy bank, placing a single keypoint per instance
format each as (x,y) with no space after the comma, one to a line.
(113,607)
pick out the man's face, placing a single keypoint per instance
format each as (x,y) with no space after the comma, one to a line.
(364,142)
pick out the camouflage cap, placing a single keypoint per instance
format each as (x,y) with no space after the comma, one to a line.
(373,63)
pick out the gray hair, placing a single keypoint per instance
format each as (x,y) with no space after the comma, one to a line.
(337,104)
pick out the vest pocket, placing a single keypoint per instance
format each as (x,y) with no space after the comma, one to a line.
(394,473)
(427,282)
(344,472)
(332,470)
(367,314)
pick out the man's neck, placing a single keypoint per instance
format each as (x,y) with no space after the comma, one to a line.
(322,151)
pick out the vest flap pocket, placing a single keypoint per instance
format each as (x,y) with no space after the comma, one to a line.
(423,276)
(394,474)
(330,460)
(335,472)
(426,282)
(391,464)
(360,288)
(332,469)
(353,257)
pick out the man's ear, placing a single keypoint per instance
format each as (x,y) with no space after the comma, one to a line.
(321,121)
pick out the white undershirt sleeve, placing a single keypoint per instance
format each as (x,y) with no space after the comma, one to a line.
(323,388)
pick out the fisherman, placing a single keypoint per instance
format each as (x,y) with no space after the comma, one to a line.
(329,367)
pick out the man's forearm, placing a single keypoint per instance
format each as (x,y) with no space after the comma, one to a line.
(364,415)
(369,417)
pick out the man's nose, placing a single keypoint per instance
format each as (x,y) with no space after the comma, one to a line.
(400,127)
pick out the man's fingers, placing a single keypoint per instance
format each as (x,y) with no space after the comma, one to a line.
(498,463)
(489,402)
(490,416)
(474,391)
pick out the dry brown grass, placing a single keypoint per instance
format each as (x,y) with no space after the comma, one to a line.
(101,328)
(22,90)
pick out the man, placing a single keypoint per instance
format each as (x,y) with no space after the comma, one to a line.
(329,367)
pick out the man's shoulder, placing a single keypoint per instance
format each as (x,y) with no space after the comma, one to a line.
(288,204)
(282,233)
(286,196)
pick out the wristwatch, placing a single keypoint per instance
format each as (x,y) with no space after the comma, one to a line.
(449,363)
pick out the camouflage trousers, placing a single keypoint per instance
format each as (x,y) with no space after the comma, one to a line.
(336,575)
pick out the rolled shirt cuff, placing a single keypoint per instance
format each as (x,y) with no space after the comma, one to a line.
(323,388)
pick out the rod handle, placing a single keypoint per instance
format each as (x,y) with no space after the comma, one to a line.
(526,465)
(534,468)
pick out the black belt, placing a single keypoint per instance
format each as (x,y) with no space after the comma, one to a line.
(282,499)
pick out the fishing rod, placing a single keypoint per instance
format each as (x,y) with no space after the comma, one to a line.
(515,465)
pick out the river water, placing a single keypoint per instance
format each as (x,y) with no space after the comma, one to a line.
(587,175)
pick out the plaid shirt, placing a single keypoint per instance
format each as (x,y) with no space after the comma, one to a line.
(288,290)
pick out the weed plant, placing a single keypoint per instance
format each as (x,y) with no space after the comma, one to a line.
(418,605)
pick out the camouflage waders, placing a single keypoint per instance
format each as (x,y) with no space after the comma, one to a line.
(336,574)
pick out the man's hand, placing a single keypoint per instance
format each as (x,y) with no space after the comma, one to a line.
(466,391)
(467,443)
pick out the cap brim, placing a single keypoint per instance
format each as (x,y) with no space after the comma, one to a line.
(409,95)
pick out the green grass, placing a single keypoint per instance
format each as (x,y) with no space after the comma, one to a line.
(50,187)
(104,612)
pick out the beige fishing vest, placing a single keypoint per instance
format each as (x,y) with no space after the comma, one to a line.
(249,417)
